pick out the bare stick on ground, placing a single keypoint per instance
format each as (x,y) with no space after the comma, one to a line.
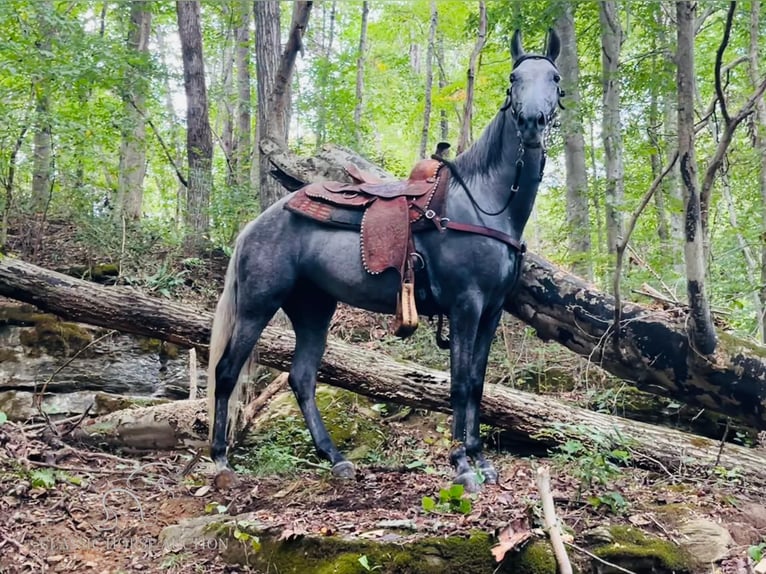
(552,526)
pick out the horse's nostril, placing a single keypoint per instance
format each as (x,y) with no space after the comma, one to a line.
(541,119)
(521,121)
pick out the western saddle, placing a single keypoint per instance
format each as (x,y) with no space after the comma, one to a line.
(388,213)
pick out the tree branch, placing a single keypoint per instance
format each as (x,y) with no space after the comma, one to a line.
(164,146)
(719,58)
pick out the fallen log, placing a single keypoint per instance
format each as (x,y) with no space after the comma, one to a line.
(529,417)
(651,347)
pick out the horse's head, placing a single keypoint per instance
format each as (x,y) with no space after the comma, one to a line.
(534,93)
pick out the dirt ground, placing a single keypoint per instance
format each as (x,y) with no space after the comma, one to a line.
(66,508)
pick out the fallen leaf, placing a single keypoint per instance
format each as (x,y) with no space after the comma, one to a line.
(203,490)
(508,539)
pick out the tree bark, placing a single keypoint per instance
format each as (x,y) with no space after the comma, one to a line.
(429,81)
(466,136)
(759,136)
(529,417)
(242,155)
(701,326)
(130,181)
(360,74)
(274,75)
(199,140)
(611,43)
(578,216)
(42,156)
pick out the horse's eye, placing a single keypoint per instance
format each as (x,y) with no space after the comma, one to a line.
(556,78)
(513,77)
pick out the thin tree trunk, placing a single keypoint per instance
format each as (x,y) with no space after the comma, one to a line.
(578,217)
(274,76)
(228,102)
(199,144)
(242,157)
(443,121)
(42,154)
(176,157)
(701,327)
(429,80)
(130,181)
(358,108)
(267,49)
(324,76)
(466,135)
(611,43)
(759,133)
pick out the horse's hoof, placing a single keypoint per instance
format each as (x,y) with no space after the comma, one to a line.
(490,474)
(343,469)
(225,479)
(469,480)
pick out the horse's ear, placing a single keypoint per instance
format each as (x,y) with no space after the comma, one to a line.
(553,48)
(517,50)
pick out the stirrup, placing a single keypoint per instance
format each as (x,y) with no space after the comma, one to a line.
(406,312)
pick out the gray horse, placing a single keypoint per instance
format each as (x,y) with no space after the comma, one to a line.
(283,260)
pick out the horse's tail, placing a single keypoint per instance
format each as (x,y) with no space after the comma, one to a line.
(223,327)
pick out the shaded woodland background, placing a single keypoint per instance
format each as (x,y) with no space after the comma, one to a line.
(141,120)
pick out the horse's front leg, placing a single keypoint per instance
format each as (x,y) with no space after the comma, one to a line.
(473,442)
(464,323)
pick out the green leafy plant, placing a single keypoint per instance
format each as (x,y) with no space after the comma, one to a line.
(757,552)
(451,500)
(215,508)
(245,537)
(365,562)
(3,417)
(42,478)
(614,501)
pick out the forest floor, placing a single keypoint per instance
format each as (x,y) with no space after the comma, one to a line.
(66,507)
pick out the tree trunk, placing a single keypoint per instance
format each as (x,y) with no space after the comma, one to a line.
(611,42)
(527,416)
(42,153)
(323,80)
(759,135)
(242,156)
(199,141)
(274,75)
(701,326)
(227,103)
(429,81)
(466,136)
(654,352)
(578,218)
(130,182)
(443,121)
(360,74)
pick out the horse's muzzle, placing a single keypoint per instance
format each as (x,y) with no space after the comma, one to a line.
(531,128)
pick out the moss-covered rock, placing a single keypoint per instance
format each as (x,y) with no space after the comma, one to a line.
(244,541)
(279,435)
(638,551)
(55,337)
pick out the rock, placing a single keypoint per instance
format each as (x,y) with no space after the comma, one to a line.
(639,552)
(246,541)
(760,568)
(744,534)
(705,540)
(755,514)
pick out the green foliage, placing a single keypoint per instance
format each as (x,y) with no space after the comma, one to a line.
(42,478)
(365,562)
(3,417)
(757,552)
(593,457)
(451,500)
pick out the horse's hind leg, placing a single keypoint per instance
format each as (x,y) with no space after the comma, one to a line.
(245,335)
(310,312)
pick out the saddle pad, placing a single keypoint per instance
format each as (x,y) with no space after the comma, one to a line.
(347,198)
(342,217)
(385,235)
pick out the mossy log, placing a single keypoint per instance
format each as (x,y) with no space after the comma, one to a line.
(528,417)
